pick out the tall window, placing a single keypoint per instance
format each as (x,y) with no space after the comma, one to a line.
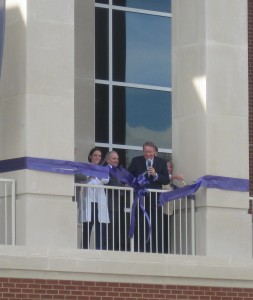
(133,75)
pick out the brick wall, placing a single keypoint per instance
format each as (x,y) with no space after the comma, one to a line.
(250,57)
(11,289)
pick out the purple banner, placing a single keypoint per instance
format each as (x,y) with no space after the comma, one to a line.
(208,181)
(53,165)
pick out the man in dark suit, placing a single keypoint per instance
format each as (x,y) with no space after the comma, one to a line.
(116,227)
(156,173)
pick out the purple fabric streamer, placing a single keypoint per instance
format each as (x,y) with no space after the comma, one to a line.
(14,164)
(208,181)
(139,184)
(53,165)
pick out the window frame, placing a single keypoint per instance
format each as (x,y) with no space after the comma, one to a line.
(110,83)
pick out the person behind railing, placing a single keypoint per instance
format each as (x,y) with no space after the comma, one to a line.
(116,227)
(94,209)
(168,208)
(155,170)
(172,175)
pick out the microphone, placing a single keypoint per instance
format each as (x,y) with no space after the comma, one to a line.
(149,163)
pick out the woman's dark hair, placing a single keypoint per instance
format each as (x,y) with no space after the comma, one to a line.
(92,151)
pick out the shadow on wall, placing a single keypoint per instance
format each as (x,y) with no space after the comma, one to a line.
(13,82)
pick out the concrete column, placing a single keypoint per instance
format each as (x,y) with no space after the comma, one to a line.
(210,116)
(84,78)
(37,102)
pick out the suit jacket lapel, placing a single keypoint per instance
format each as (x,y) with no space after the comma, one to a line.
(155,162)
(144,166)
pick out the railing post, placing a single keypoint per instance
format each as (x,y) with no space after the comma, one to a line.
(5,215)
(13,217)
(9,191)
(193,226)
(131,204)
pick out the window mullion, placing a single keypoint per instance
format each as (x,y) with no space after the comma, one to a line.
(110,77)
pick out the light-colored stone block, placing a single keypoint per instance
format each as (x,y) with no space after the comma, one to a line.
(189,140)
(50,60)
(50,129)
(108,266)
(51,11)
(84,118)
(12,127)
(224,234)
(189,90)
(223,25)
(84,78)
(13,74)
(46,220)
(192,30)
(227,80)
(227,146)
(85,39)
(42,183)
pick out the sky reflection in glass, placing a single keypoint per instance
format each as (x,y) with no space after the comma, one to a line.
(148,50)
(156,5)
(148,117)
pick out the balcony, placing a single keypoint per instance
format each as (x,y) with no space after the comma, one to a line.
(173,231)
(127,263)
(167,229)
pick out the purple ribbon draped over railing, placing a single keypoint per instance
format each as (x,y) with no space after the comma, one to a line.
(53,165)
(139,184)
(208,181)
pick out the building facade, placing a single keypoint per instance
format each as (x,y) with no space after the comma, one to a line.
(47,110)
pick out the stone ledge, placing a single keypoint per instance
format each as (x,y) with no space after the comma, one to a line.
(90,265)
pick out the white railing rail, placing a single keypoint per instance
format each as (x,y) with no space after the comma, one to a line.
(172,226)
(8,212)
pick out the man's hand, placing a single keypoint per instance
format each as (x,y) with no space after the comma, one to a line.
(177,177)
(152,171)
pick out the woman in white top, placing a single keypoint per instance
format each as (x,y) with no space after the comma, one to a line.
(94,206)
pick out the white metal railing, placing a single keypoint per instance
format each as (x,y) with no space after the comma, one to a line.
(7,212)
(172,227)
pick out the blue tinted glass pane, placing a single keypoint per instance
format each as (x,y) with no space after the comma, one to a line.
(156,5)
(145,57)
(130,154)
(102,113)
(102,1)
(147,117)
(102,44)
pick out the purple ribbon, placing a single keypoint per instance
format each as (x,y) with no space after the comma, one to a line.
(53,165)
(208,181)
(139,184)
